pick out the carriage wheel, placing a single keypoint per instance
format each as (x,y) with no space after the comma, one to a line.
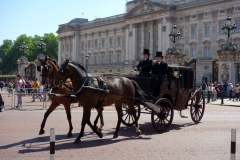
(127,118)
(162,121)
(197,106)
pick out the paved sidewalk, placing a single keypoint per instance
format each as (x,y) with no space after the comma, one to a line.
(226,102)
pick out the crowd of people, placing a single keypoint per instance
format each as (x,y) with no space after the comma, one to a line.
(25,87)
(228,90)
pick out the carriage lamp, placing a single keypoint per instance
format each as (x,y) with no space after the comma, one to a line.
(23,48)
(228,28)
(41,45)
(174,34)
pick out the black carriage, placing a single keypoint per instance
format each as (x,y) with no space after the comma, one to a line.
(177,93)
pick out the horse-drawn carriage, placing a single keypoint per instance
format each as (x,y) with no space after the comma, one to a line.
(177,93)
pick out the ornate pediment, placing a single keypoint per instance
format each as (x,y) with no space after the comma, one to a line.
(146,7)
(64,28)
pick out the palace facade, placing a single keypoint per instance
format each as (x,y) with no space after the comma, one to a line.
(115,44)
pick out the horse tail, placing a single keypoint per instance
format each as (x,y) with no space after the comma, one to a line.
(139,93)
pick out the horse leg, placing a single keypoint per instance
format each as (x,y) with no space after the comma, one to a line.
(119,112)
(69,117)
(133,112)
(86,119)
(99,110)
(53,105)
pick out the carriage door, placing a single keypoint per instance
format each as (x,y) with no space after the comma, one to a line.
(30,71)
(185,85)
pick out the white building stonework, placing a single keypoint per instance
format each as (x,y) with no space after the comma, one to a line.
(115,43)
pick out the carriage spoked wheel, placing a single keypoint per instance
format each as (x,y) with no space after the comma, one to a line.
(197,106)
(127,118)
(163,120)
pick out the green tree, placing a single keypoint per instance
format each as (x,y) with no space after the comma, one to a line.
(10,53)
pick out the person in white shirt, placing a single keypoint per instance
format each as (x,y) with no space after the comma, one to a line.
(20,83)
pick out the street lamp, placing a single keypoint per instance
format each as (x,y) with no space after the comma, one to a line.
(228,28)
(174,34)
(23,48)
(87,56)
(41,45)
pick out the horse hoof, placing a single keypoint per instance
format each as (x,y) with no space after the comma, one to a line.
(77,141)
(100,134)
(115,136)
(41,132)
(99,129)
(138,134)
(69,135)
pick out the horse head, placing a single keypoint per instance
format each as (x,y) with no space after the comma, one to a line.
(62,74)
(73,70)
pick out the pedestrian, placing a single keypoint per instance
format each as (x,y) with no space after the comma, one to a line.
(214,91)
(10,88)
(203,85)
(35,89)
(230,88)
(19,84)
(225,89)
(235,92)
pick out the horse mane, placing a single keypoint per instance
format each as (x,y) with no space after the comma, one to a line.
(53,64)
(79,66)
(54,61)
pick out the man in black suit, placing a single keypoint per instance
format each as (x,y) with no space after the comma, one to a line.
(159,69)
(145,65)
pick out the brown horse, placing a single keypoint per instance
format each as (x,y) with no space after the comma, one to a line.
(48,72)
(89,98)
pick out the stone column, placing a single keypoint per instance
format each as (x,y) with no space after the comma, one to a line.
(186,34)
(214,33)
(142,36)
(151,39)
(133,44)
(200,33)
(159,34)
(59,50)
(75,50)
(126,58)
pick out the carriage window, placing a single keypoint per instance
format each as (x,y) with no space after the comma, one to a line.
(186,79)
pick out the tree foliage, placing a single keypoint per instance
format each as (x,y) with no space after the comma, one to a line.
(10,53)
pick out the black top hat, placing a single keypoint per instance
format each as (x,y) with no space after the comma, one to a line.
(159,54)
(146,51)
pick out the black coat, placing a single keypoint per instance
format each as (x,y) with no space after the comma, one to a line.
(145,67)
(159,70)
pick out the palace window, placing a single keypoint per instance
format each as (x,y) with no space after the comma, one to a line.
(207,29)
(118,58)
(193,31)
(194,16)
(110,58)
(67,47)
(89,44)
(103,59)
(181,32)
(238,25)
(103,43)
(96,43)
(193,51)
(220,27)
(82,46)
(180,19)
(238,45)
(95,60)
(119,41)
(110,42)
(207,14)
(222,11)
(207,52)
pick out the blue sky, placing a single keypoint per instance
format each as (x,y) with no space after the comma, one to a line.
(32,17)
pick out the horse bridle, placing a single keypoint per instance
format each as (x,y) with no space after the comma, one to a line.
(63,69)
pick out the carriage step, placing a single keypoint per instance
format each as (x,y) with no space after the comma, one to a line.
(152,107)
